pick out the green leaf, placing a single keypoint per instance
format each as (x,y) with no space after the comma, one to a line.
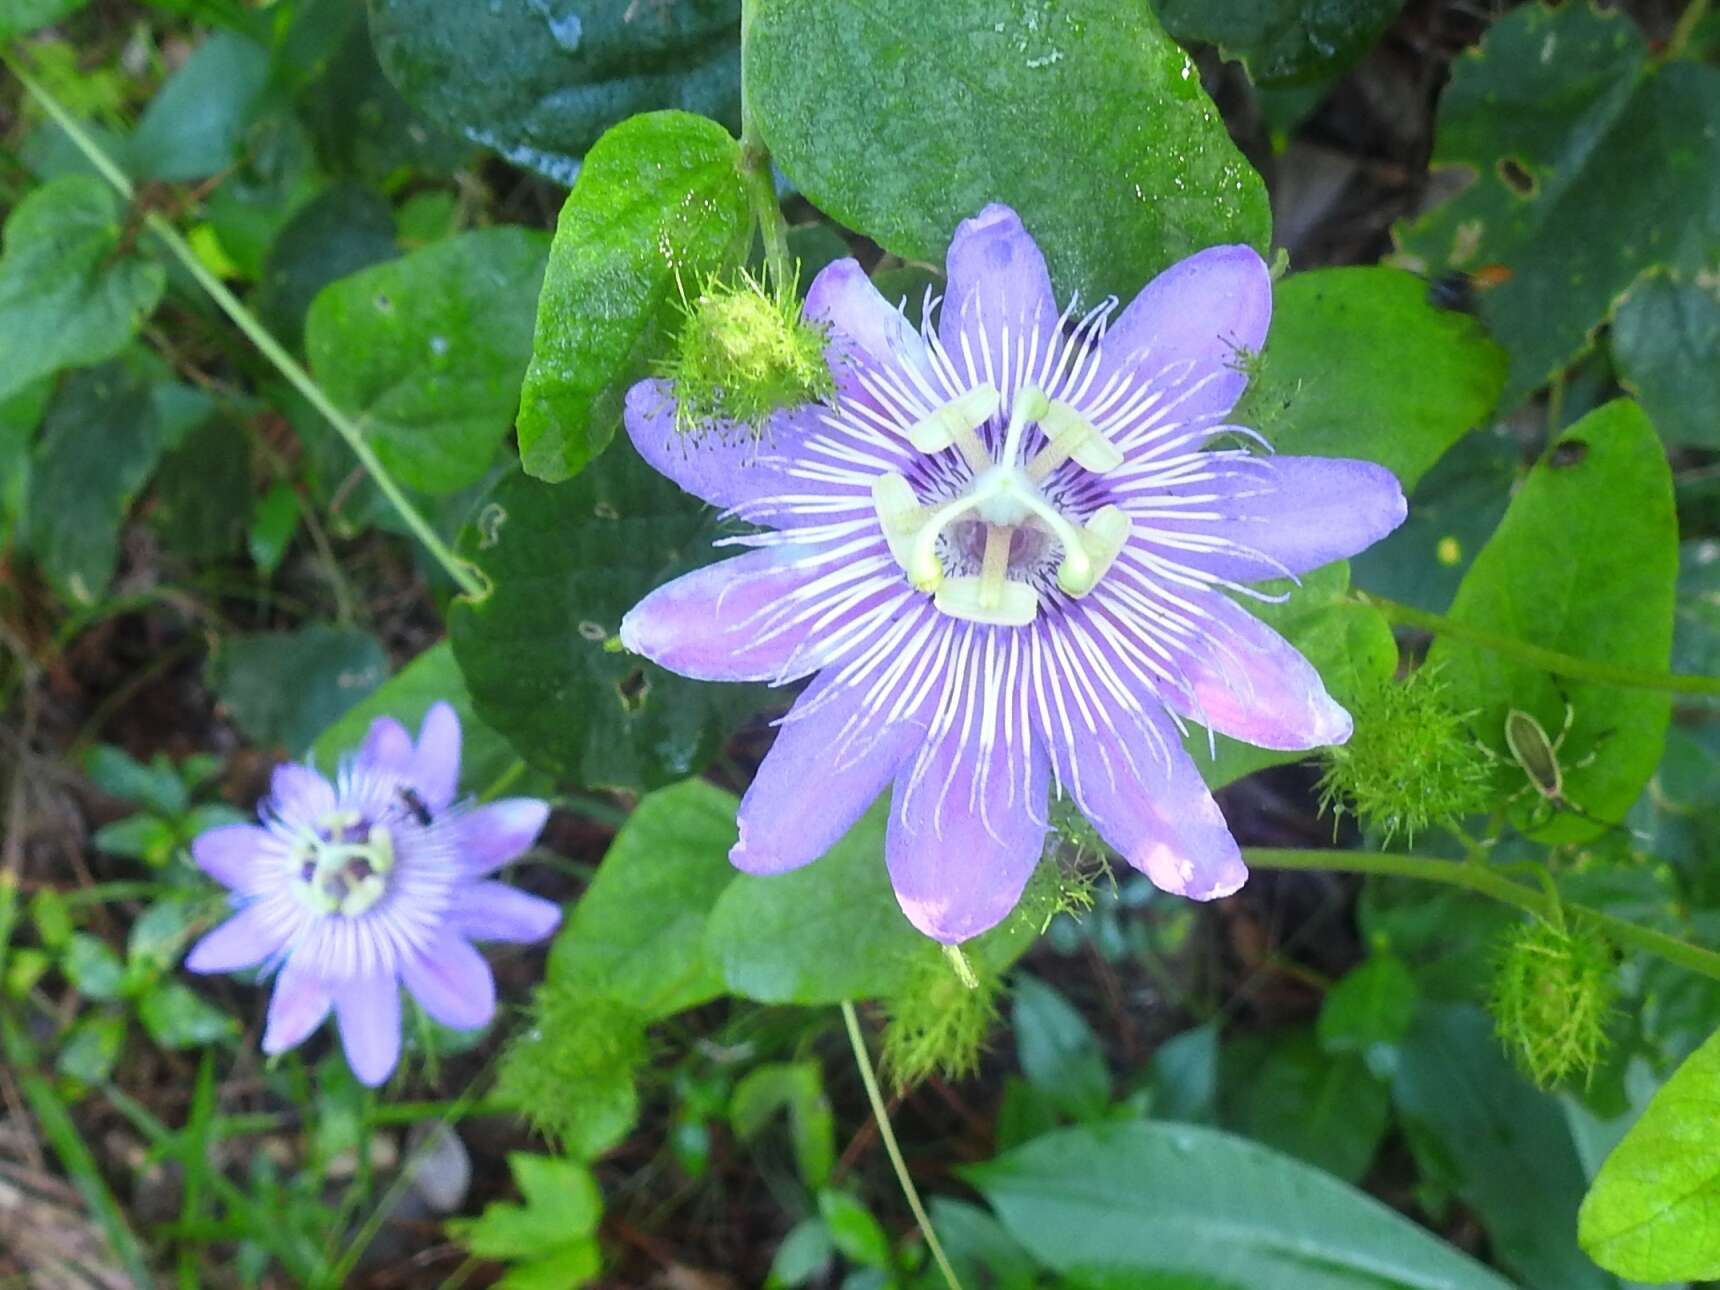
(658,207)
(564,564)
(20,415)
(203,492)
(1173,1199)
(1664,339)
(194,125)
(156,785)
(1368,1011)
(550,1232)
(100,442)
(67,298)
(92,1047)
(988,101)
(406,696)
(284,688)
(1653,1213)
(20,16)
(1058,1051)
(1326,1110)
(804,1253)
(1480,1129)
(93,968)
(1350,645)
(346,228)
(798,1089)
(540,80)
(1550,116)
(1584,562)
(1283,42)
(637,935)
(856,1235)
(273,523)
(177,1017)
(428,352)
(1359,364)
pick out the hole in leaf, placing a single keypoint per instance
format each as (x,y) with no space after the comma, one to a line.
(633,688)
(1567,452)
(1516,178)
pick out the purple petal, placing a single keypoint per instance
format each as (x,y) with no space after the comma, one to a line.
(491,835)
(1136,785)
(386,746)
(782,824)
(1251,684)
(243,941)
(493,911)
(452,983)
(368,1010)
(300,796)
(999,295)
(967,828)
(238,856)
(1183,332)
(864,327)
(435,769)
(298,1006)
(1284,515)
(741,619)
(737,468)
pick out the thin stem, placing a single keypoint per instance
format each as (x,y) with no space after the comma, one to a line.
(1485,881)
(1688,22)
(257,334)
(755,173)
(1582,669)
(881,1113)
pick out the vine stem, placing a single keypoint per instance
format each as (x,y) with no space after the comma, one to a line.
(1478,877)
(1688,22)
(1582,669)
(869,1077)
(755,173)
(256,333)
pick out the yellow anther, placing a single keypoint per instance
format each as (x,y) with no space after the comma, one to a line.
(1072,435)
(1100,543)
(957,424)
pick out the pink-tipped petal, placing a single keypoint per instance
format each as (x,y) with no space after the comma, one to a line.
(498,832)
(1136,785)
(386,746)
(999,299)
(783,825)
(238,856)
(1278,516)
(435,768)
(248,938)
(491,911)
(368,1010)
(1185,332)
(742,619)
(967,827)
(452,983)
(1251,684)
(297,1007)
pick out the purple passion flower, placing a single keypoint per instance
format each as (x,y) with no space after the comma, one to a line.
(1004,550)
(377,880)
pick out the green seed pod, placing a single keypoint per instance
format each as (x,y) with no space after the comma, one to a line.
(1552,999)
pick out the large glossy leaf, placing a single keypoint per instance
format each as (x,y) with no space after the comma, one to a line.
(1654,1211)
(99,443)
(658,208)
(540,80)
(1284,42)
(901,118)
(637,935)
(564,563)
(67,298)
(1584,563)
(427,352)
(1482,1130)
(1350,645)
(1664,339)
(1108,1203)
(1555,115)
(1359,364)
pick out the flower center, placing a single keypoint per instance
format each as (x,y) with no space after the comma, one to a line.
(344,864)
(1004,497)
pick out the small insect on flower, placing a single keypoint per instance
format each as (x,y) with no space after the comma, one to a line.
(352,888)
(1005,547)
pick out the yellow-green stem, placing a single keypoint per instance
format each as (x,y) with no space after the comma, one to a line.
(755,172)
(257,334)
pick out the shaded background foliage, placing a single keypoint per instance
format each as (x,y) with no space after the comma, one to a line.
(1296,1088)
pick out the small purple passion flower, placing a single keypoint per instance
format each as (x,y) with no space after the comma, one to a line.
(377,880)
(1004,547)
